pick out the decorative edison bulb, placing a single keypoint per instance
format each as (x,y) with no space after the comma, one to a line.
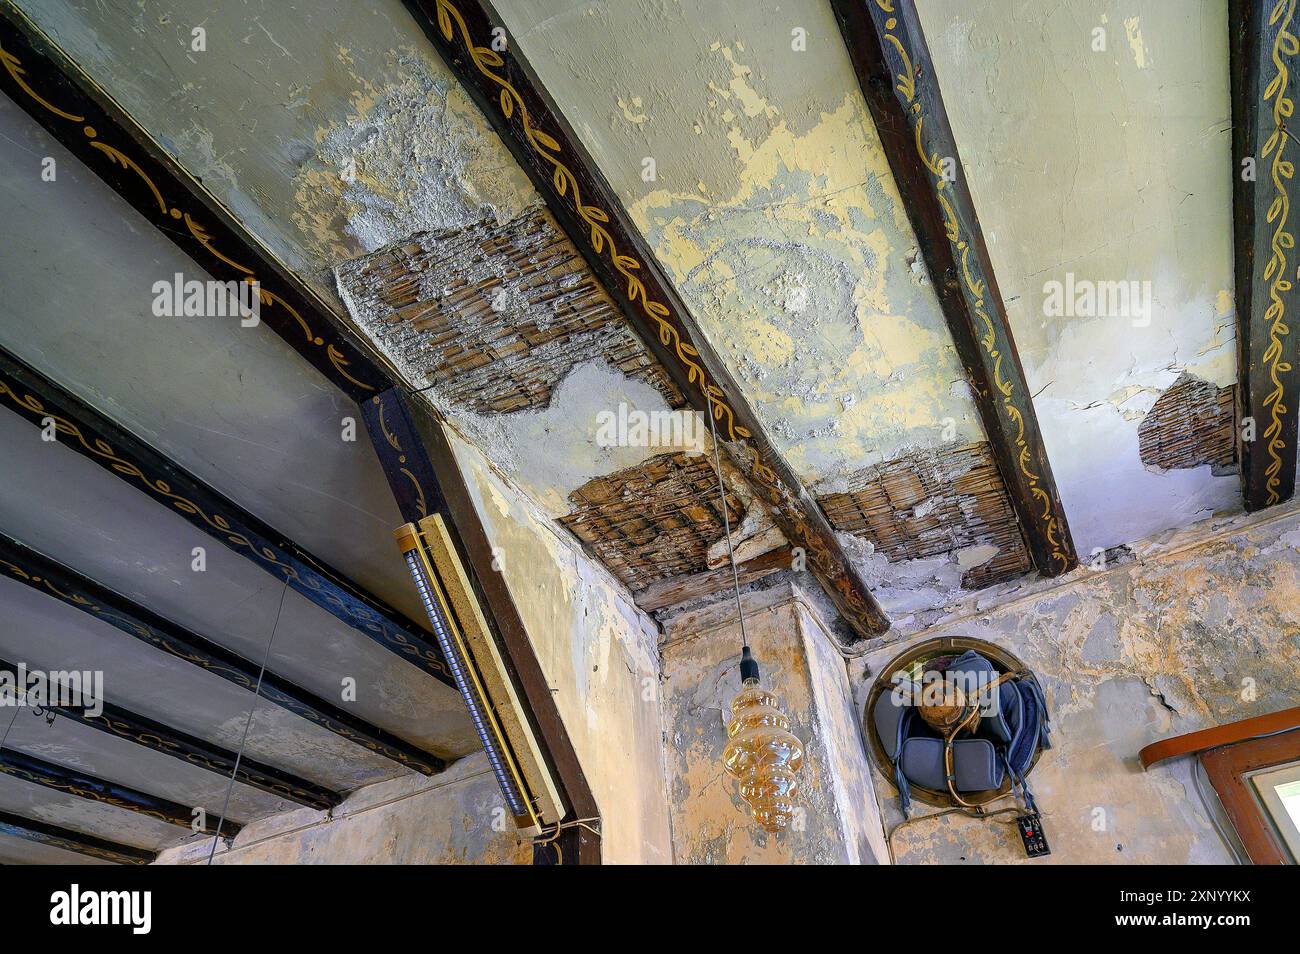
(762,753)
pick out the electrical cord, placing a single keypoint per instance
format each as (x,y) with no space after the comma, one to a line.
(552,839)
(248,724)
(726,522)
(977,811)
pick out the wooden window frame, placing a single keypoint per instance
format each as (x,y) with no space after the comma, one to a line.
(1227,769)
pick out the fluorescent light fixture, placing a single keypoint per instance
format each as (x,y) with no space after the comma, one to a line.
(480,674)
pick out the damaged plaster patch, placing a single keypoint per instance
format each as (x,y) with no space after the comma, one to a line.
(662,519)
(551,452)
(414,154)
(1191,423)
(796,275)
(1136,45)
(492,316)
(930,503)
(913,592)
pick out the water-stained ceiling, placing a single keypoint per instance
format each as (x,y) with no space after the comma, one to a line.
(738,146)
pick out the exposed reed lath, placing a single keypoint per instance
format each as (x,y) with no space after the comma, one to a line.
(928,503)
(493,316)
(654,521)
(1191,424)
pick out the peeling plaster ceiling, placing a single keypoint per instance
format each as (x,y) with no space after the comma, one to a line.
(772,208)
(1029,101)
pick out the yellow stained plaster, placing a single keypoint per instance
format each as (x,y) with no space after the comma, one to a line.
(901,370)
(751,103)
(1223,303)
(1133,29)
(632,110)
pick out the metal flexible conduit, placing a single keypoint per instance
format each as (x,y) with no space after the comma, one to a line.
(457,664)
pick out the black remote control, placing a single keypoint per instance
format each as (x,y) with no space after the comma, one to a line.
(1030,825)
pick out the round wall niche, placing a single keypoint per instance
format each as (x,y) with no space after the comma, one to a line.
(911,663)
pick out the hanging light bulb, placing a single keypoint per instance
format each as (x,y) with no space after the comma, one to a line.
(762,753)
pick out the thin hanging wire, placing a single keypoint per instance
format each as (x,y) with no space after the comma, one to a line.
(726,522)
(257,689)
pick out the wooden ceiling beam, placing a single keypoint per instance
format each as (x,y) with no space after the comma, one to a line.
(525,115)
(26,566)
(81,428)
(78,784)
(147,733)
(42,833)
(1263,65)
(80,115)
(683,589)
(897,78)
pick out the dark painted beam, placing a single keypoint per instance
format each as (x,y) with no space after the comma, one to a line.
(1264,60)
(897,78)
(36,75)
(21,563)
(525,115)
(402,455)
(80,427)
(71,782)
(189,749)
(44,834)
(425,478)
(86,121)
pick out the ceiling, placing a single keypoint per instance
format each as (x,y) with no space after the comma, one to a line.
(740,145)
(242,411)
(775,213)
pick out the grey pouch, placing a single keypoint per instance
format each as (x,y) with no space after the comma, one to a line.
(976,765)
(889,720)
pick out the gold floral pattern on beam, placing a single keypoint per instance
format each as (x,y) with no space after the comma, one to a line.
(1282,240)
(975,286)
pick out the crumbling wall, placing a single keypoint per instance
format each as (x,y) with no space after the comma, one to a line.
(836,822)
(1198,630)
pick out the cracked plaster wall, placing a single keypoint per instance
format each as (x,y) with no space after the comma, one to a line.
(1109,165)
(1200,630)
(837,823)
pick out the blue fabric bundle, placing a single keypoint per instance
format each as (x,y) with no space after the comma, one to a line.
(1007,736)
